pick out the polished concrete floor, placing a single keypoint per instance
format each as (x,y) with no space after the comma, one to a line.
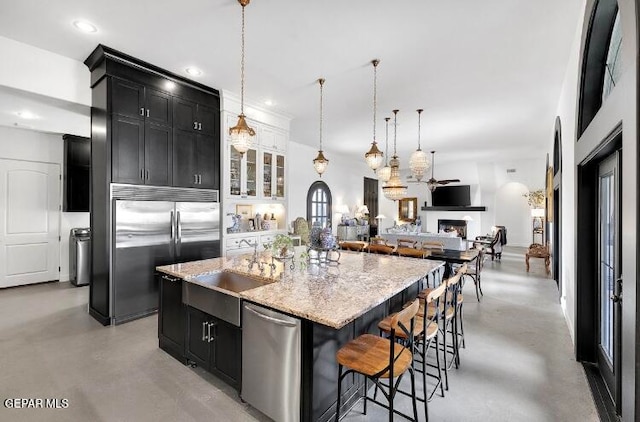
(517,366)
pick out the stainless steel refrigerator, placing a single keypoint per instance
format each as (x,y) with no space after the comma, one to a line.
(148,232)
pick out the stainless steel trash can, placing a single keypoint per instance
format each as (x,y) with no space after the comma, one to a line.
(80,256)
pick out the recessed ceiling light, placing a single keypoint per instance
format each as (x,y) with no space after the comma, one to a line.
(193,71)
(269,103)
(85,26)
(169,85)
(26,115)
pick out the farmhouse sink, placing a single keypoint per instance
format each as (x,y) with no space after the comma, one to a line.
(217,294)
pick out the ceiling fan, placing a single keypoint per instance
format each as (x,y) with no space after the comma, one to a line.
(432,183)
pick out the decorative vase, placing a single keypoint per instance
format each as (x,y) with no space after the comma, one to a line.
(327,241)
(315,236)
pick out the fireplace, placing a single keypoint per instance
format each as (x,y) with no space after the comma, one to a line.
(448,225)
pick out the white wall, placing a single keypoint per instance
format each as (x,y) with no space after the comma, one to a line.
(345,178)
(28,145)
(42,72)
(486,179)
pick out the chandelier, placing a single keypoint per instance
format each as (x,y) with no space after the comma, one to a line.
(394,189)
(419,161)
(373,157)
(384,173)
(320,163)
(241,134)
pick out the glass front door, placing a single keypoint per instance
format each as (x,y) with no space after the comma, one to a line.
(609,289)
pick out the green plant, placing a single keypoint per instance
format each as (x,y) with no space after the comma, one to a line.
(281,245)
(535,198)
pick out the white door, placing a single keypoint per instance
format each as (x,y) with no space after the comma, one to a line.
(29,222)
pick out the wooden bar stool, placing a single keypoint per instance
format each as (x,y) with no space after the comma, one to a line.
(424,339)
(379,245)
(474,273)
(377,358)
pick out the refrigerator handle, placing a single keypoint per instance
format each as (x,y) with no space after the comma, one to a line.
(179,227)
(173,227)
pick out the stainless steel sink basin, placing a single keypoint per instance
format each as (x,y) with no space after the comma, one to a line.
(230,281)
(223,303)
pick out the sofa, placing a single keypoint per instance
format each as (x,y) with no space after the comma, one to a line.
(448,240)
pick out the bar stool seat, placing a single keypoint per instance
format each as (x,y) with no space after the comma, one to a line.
(369,354)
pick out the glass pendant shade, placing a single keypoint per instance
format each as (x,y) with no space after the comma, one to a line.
(419,164)
(320,163)
(242,135)
(374,156)
(394,189)
(384,173)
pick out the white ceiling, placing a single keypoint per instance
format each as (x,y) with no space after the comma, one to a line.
(488,74)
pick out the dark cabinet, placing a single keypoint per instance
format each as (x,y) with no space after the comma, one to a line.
(157,155)
(191,116)
(135,100)
(195,160)
(171,317)
(141,153)
(127,150)
(127,98)
(77,173)
(214,345)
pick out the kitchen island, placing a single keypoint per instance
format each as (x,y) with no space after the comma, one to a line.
(333,304)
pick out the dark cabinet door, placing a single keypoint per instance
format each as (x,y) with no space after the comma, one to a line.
(127,153)
(171,314)
(226,356)
(208,120)
(157,155)
(198,346)
(127,98)
(208,162)
(184,158)
(184,114)
(158,107)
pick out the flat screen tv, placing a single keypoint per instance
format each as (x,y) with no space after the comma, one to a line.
(451,196)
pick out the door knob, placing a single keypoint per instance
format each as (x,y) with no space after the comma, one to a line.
(616,298)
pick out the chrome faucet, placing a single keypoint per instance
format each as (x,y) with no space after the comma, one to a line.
(254,260)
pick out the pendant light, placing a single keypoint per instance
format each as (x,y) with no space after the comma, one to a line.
(384,173)
(374,155)
(394,189)
(419,161)
(241,134)
(320,163)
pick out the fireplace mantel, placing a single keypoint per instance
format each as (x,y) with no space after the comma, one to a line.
(453,208)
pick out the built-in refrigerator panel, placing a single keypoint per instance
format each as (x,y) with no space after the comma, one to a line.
(197,230)
(143,240)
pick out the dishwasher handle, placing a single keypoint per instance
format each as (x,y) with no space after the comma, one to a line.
(270,319)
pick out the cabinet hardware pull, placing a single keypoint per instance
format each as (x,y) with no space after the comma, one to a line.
(147,112)
(146,174)
(199,126)
(142,174)
(209,325)
(195,179)
(204,337)
(142,111)
(199,179)
(195,125)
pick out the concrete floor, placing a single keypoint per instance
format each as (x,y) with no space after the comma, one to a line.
(517,366)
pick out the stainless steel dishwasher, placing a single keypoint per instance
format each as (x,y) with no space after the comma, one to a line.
(271,373)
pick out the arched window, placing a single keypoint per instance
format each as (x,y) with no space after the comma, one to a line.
(613,66)
(319,204)
(601,65)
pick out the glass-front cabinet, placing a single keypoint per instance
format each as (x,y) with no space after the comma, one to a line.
(243,173)
(273,175)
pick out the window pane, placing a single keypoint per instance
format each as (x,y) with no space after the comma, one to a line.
(613,66)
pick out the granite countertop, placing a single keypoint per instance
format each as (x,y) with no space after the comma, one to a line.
(333,295)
